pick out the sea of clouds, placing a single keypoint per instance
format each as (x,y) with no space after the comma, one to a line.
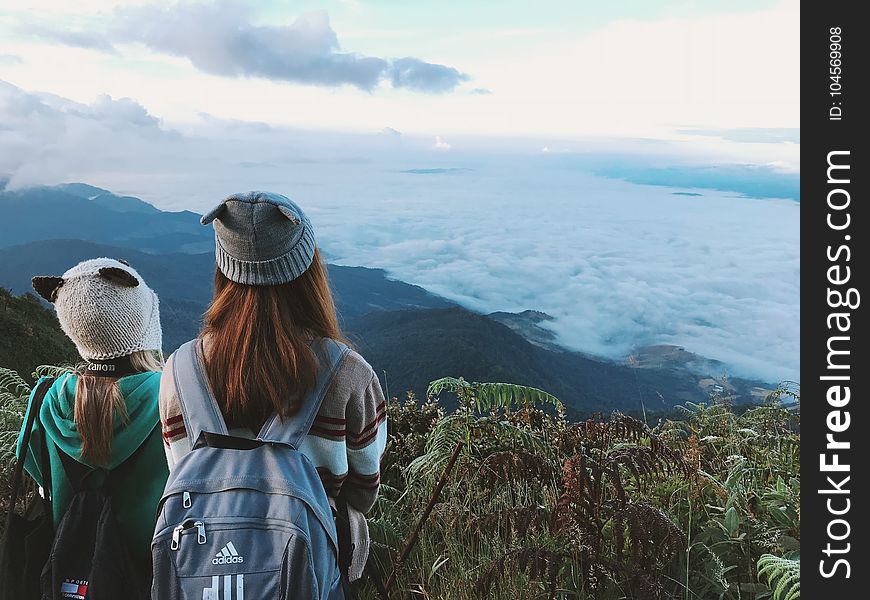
(618,264)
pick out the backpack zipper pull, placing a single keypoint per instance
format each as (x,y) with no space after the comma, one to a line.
(176,537)
(185,500)
(200,532)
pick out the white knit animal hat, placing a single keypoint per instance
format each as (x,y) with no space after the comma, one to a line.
(105,308)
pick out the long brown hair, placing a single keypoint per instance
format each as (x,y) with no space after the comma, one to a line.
(258,360)
(98,402)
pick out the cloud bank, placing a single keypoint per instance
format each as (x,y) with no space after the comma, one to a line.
(761,135)
(415,74)
(78,39)
(44,137)
(617,263)
(222,39)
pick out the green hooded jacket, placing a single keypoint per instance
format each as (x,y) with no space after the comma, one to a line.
(136,495)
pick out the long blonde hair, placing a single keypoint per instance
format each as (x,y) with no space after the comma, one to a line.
(98,400)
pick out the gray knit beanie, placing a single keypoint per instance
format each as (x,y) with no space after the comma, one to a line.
(261,238)
(105,308)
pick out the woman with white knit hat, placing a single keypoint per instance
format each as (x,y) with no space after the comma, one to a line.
(104,415)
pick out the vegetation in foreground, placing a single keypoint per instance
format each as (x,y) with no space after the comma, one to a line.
(506,499)
(608,508)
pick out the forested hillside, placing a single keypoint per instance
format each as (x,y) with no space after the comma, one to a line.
(415,347)
(30,335)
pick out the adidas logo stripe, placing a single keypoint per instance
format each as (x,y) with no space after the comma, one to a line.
(228,555)
(231,583)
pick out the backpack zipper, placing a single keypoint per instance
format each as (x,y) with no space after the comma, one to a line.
(200,532)
(176,537)
(176,533)
(186,502)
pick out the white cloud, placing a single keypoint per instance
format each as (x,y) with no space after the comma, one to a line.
(77,39)
(630,78)
(783,166)
(355,6)
(636,77)
(233,45)
(47,138)
(440,144)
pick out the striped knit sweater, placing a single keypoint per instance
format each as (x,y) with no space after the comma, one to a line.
(345,443)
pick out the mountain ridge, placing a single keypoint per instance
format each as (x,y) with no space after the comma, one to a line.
(35,214)
(184,281)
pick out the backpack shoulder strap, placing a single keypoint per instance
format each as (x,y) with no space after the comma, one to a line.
(35,404)
(198,407)
(329,353)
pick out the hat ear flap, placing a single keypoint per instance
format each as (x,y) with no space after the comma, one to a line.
(119,276)
(47,286)
(288,212)
(213,214)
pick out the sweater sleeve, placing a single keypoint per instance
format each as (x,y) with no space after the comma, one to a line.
(366,414)
(175,442)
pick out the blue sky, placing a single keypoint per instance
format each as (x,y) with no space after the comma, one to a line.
(575,16)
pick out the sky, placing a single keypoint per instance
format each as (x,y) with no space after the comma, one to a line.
(630,167)
(552,67)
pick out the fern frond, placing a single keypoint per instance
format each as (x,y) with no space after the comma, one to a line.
(520,520)
(442,439)
(482,433)
(783,576)
(52,371)
(485,397)
(507,433)
(515,465)
(447,384)
(13,383)
(645,462)
(385,532)
(653,538)
(504,395)
(9,398)
(537,563)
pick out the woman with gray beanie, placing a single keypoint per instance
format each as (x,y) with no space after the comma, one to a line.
(104,414)
(271,305)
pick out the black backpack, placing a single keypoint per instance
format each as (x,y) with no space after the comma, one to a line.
(89,559)
(27,538)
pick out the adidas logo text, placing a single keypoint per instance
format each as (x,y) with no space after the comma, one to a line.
(228,555)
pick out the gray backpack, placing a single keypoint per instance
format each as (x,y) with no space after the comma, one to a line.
(240,518)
